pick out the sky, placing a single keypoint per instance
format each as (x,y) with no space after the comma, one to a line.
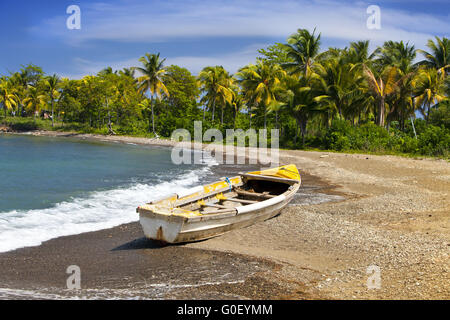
(193,33)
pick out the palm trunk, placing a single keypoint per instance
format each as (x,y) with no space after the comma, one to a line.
(153,117)
(52,115)
(221,119)
(276,119)
(303,123)
(296,132)
(381,112)
(111,131)
(414,128)
(327,120)
(214,109)
(428,113)
(265,118)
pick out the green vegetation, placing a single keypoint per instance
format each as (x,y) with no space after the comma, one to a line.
(339,99)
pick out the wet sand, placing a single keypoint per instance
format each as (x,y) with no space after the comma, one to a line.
(121,263)
(354,211)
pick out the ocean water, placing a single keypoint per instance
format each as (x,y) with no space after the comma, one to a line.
(52,187)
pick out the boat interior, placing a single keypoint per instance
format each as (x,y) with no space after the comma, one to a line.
(226,195)
(248,192)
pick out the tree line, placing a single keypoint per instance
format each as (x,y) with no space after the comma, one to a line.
(336,99)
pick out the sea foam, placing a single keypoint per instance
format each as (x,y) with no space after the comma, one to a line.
(99,210)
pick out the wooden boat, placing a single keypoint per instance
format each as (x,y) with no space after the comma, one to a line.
(211,210)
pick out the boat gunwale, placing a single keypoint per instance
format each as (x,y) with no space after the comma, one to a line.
(268,203)
(243,178)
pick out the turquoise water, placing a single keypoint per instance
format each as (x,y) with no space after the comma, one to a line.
(51,187)
(38,172)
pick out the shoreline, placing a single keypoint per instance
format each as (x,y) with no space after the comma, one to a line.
(98,137)
(393,214)
(166,142)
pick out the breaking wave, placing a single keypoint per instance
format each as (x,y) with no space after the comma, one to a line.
(98,210)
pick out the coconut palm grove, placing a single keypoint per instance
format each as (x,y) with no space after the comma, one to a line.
(392,100)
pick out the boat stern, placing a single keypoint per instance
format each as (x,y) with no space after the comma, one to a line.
(159,225)
(162,221)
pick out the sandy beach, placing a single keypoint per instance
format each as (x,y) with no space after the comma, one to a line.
(385,211)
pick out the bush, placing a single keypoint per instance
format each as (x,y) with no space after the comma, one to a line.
(440,115)
(434,141)
(22,124)
(431,140)
(132,127)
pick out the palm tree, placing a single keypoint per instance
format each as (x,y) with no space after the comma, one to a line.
(88,89)
(302,99)
(439,57)
(400,55)
(107,71)
(34,100)
(397,54)
(237,103)
(7,98)
(358,53)
(259,83)
(52,84)
(302,47)
(146,108)
(110,88)
(215,83)
(381,87)
(341,82)
(127,72)
(227,99)
(152,79)
(19,85)
(430,89)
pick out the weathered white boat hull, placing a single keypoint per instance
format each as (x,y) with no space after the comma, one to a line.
(178,229)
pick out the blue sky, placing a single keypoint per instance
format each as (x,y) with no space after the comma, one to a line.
(194,34)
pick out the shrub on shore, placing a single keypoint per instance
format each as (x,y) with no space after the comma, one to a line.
(431,140)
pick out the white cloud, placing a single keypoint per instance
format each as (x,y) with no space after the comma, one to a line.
(147,22)
(150,21)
